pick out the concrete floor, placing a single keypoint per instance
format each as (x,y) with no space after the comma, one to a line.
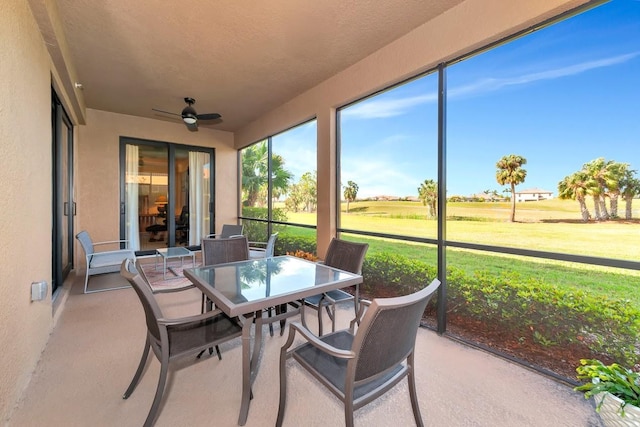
(97,342)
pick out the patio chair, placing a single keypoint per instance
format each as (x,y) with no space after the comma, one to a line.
(222,250)
(100,262)
(228,230)
(171,339)
(263,249)
(358,368)
(347,256)
(219,251)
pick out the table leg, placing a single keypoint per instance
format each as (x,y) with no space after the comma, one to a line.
(246,370)
(164,270)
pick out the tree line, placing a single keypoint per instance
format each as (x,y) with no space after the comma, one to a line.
(601,179)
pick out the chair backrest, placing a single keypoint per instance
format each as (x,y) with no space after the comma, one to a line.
(387,333)
(151,308)
(347,256)
(229,230)
(222,250)
(271,245)
(183,219)
(86,242)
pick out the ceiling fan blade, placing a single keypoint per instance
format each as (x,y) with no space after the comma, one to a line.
(210,116)
(166,112)
(192,127)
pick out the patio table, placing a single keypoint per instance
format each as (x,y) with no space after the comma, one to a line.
(173,252)
(245,289)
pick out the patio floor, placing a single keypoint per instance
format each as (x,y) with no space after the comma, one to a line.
(96,345)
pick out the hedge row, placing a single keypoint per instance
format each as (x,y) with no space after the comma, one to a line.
(525,307)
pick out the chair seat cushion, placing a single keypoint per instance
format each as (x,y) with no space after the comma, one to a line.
(334,369)
(195,335)
(337,295)
(108,259)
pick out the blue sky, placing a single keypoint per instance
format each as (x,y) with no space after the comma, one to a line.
(560,97)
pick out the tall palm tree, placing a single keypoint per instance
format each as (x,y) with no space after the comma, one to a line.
(575,187)
(350,192)
(255,179)
(602,177)
(428,193)
(510,172)
(616,173)
(629,188)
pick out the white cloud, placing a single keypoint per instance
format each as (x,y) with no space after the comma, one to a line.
(375,178)
(383,108)
(380,108)
(491,84)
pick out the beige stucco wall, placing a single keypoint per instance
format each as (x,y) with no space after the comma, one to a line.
(468,26)
(25,205)
(97,157)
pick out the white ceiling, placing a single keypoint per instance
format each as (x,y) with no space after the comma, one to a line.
(239,58)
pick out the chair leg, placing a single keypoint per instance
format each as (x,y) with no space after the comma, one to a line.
(207,305)
(283,309)
(138,374)
(86,280)
(271,324)
(348,413)
(283,379)
(162,381)
(413,394)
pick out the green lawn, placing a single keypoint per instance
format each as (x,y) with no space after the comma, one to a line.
(552,226)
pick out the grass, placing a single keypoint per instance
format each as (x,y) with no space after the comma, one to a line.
(552,225)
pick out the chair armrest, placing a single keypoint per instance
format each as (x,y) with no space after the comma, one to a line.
(319,344)
(117,251)
(361,305)
(110,242)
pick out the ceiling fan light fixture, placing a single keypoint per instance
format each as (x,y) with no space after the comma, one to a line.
(189,119)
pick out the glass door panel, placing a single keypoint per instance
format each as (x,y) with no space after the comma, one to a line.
(192,196)
(166,196)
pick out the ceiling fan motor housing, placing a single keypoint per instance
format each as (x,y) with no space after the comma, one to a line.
(189,114)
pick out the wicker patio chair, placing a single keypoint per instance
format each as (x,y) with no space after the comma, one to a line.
(358,368)
(259,250)
(347,256)
(100,262)
(173,338)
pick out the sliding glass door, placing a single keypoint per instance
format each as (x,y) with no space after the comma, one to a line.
(63,204)
(166,194)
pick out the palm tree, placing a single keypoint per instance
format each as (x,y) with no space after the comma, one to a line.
(255,180)
(350,192)
(629,188)
(617,172)
(510,172)
(575,187)
(428,193)
(602,177)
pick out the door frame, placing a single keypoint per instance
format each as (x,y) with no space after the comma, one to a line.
(63,212)
(171,153)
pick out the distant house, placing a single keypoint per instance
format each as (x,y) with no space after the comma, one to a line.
(533,195)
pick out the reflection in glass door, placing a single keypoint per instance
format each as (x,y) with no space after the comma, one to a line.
(166,196)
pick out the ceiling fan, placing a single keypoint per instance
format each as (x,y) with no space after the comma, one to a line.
(189,115)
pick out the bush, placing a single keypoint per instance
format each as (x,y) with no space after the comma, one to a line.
(526,308)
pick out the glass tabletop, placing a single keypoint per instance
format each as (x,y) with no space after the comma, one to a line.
(281,278)
(173,252)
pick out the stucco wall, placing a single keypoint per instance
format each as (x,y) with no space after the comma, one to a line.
(25,205)
(97,157)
